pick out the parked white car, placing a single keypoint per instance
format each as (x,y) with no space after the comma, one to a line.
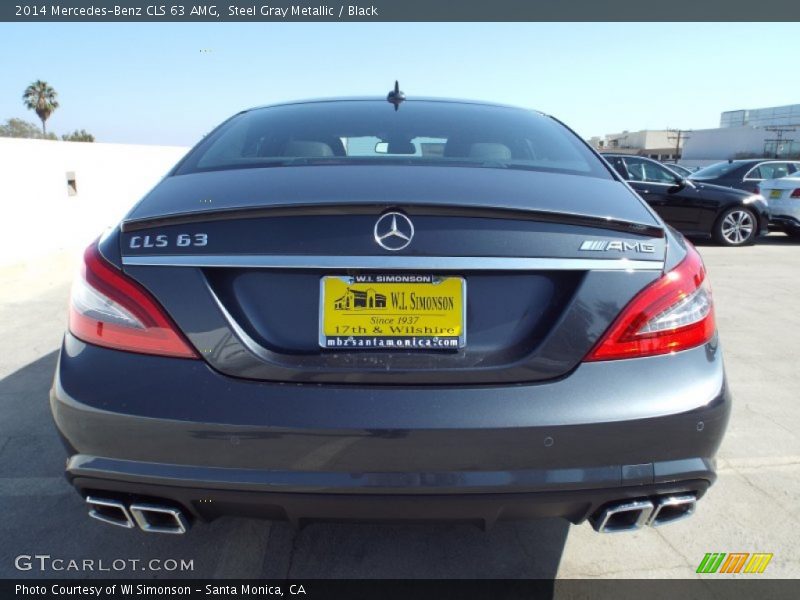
(783,200)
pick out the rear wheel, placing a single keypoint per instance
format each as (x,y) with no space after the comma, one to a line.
(737,226)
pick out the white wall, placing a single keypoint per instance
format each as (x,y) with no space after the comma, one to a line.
(37,214)
(723,143)
(646,139)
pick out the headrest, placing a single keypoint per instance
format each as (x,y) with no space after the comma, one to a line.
(490,151)
(307,149)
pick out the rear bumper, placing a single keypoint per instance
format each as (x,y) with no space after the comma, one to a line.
(785,221)
(206,503)
(784,213)
(174,429)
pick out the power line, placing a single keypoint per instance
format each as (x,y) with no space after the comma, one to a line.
(679,136)
(778,139)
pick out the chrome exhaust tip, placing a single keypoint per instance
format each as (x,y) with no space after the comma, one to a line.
(153,518)
(672,508)
(109,511)
(626,516)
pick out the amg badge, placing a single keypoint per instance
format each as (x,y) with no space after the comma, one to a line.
(617,245)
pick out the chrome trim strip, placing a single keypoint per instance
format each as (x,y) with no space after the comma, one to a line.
(400,263)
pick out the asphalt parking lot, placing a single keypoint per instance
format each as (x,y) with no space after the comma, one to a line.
(754,507)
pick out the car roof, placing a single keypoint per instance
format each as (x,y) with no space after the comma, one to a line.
(754,161)
(602,153)
(383,99)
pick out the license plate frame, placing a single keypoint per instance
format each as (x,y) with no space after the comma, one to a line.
(439,327)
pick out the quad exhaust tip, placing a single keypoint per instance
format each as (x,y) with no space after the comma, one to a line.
(633,515)
(151,518)
(627,516)
(109,511)
(672,508)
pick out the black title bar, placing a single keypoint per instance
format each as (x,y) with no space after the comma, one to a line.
(396,10)
(404,589)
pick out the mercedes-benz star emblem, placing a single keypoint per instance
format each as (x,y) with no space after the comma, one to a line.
(393,231)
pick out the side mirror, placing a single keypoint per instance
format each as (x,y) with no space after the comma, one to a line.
(680,183)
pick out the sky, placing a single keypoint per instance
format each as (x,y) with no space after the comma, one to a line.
(170,83)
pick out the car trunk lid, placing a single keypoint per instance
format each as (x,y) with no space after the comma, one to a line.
(544,270)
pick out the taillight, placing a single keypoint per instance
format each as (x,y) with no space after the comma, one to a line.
(109,309)
(758,189)
(796,193)
(674,313)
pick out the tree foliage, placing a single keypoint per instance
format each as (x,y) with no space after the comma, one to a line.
(18,128)
(41,98)
(78,136)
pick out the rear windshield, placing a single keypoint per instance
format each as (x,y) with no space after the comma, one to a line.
(715,170)
(372,132)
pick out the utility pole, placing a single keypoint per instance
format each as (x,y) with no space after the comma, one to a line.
(679,135)
(778,131)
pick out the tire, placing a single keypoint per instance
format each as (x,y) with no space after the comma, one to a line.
(737,226)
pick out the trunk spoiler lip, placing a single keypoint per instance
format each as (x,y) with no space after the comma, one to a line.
(416,209)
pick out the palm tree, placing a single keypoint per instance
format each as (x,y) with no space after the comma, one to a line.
(39,96)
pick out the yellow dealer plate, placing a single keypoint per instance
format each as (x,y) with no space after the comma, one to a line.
(775,193)
(392,312)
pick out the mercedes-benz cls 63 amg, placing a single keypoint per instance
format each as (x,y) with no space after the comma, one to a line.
(413,309)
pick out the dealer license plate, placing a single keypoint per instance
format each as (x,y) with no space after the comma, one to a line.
(391,312)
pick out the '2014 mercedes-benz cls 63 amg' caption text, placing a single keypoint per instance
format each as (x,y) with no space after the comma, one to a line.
(414,309)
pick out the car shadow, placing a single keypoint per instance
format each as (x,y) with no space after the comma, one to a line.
(508,550)
(773,239)
(43,514)
(779,239)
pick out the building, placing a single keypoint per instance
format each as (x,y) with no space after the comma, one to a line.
(660,144)
(774,116)
(769,132)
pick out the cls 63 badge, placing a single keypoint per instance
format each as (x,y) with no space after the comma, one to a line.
(163,240)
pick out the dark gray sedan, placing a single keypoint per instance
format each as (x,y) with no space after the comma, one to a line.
(414,309)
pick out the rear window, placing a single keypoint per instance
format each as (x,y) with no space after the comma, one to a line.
(770,171)
(372,132)
(715,170)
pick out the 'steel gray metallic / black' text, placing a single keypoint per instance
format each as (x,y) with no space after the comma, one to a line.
(283,12)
